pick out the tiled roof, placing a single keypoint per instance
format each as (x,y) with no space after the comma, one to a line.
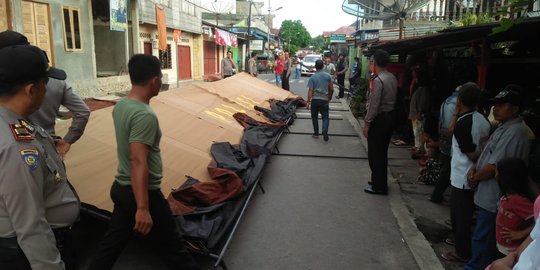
(347,30)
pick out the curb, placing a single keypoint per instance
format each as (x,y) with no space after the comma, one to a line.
(421,249)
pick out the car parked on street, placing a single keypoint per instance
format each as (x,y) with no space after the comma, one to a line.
(308,64)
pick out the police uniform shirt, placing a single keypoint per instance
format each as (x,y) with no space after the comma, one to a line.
(60,93)
(34,193)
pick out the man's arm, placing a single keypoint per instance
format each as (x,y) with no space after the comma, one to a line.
(21,192)
(309,97)
(139,183)
(330,90)
(80,112)
(222,66)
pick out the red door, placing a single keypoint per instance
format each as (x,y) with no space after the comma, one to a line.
(148,48)
(184,62)
(210,58)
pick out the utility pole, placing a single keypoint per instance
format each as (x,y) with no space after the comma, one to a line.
(249,26)
(268,25)
(248,36)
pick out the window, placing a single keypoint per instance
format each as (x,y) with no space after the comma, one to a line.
(72,30)
(166,58)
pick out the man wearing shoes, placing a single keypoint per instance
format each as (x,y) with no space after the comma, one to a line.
(379,123)
(320,93)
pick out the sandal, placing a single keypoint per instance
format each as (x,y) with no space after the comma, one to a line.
(449,241)
(453,257)
(399,143)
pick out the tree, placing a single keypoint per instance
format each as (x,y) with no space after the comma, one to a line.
(295,34)
(320,43)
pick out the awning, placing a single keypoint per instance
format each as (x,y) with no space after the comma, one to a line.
(453,37)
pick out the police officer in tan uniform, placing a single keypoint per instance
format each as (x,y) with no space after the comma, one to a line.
(35,198)
(58,93)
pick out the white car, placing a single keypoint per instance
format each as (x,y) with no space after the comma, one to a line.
(308,64)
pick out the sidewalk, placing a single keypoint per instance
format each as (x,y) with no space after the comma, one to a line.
(424,217)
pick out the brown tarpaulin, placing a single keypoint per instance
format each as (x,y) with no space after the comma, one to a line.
(191,118)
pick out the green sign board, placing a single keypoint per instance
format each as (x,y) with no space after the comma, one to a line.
(338,38)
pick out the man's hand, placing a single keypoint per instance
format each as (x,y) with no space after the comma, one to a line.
(365,130)
(513,235)
(62,147)
(505,263)
(470,177)
(143,221)
(308,106)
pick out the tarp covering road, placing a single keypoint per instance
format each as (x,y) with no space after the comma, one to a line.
(192,118)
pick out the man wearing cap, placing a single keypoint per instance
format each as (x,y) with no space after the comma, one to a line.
(379,123)
(509,140)
(34,193)
(58,93)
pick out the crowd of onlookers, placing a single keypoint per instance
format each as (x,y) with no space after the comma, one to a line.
(481,149)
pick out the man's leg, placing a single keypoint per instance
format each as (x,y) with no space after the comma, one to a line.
(12,256)
(484,245)
(315,117)
(380,140)
(285,80)
(462,208)
(341,82)
(325,111)
(416,132)
(444,179)
(120,229)
(165,235)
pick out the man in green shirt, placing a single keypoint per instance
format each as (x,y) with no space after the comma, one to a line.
(139,205)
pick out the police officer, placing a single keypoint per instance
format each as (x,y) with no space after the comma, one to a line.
(35,198)
(58,93)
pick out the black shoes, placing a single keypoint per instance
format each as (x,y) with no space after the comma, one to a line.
(370,190)
(325,136)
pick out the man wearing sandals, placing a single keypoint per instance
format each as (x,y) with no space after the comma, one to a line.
(470,130)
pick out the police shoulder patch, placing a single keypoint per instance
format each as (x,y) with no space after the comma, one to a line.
(30,157)
(20,132)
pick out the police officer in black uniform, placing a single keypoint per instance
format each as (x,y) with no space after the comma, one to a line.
(35,198)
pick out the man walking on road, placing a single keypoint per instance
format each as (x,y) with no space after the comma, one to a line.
(139,205)
(252,65)
(287,69)
(320,93)
(379,123)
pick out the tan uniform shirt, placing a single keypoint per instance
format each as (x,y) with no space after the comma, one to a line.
(60,93)
(34,193)
(382,97)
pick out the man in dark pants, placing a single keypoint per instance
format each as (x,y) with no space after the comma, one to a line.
(471,130)
(35,197)
(287,68)
(320,93)
(379,123)
(341,69)
(139,205)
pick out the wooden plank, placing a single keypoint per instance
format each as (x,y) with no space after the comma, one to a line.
(4,16)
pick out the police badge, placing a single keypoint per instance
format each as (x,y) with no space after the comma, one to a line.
(30,157)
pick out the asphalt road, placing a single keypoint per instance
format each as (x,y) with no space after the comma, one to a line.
(314,214)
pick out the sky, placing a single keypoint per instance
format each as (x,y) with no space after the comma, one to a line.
(316,15)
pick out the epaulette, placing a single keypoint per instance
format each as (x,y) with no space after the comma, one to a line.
(22,131)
